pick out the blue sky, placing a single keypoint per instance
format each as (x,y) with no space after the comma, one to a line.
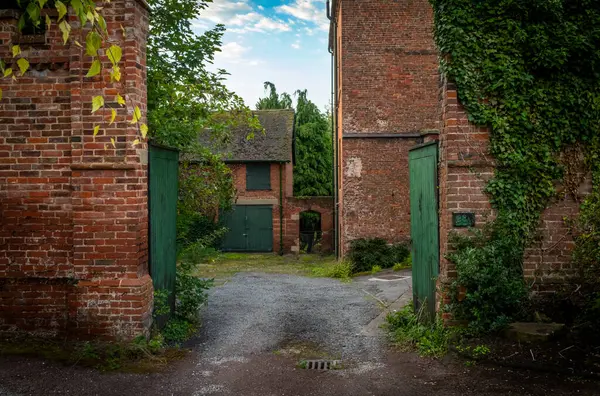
(282,41)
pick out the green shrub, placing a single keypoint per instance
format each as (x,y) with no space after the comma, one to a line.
(190,291)
(375,269)
(409,330)
(490,276)
(400,252)
(366,253)
(192,228)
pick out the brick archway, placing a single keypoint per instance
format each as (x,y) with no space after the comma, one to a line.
(294,206)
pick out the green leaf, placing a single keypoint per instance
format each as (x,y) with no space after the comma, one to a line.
(94,69)
(34,11)
(48,22)
(120,100)
(115,74)
(93,41)
(16,50)
(113,115)
(42,3)
(137,114)
(102,23)
(96,129)
(61,8)
(144,130)
(114,54)
(23,65)
(65,28)
(8,72)
(97,103)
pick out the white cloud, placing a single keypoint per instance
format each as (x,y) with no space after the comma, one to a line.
(232,52)
(296,45)
(240,17)
(261,7)
(307,10)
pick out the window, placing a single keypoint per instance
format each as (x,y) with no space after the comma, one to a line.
(258,176)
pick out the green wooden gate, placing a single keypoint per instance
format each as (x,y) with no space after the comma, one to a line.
(250,229)
(424,224)
(163,164)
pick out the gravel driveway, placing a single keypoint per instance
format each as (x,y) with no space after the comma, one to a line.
(257,327)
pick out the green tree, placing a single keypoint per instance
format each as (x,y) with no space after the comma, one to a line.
(313,173)
(274,100)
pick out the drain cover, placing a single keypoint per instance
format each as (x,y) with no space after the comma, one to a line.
(321,364)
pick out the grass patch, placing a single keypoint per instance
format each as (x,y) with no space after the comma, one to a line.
(137,356)
(410,331)
(310,265)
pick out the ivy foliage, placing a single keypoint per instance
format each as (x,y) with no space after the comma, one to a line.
(313,172)
(530,70)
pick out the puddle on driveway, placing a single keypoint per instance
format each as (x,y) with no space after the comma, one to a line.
(389,278)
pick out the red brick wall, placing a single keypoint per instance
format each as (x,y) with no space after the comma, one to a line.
(390,69)
(376,192)
(388,84)
(73,241)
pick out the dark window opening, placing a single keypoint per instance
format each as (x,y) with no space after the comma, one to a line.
(310,230)
(258,176)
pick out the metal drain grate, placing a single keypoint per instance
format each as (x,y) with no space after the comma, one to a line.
(321,364)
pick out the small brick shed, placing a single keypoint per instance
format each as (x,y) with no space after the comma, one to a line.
(73,209)
(263,174)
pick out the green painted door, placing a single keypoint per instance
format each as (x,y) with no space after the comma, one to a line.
(250,229)
(235,221)
(162,195)
(424,225)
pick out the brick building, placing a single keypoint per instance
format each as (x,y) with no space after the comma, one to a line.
(266,216)
(73,209)
(386,84)
(389,97)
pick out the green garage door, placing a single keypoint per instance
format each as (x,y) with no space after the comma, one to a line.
(250,229)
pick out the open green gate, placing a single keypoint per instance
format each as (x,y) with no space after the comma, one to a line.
(424,224)
(250,229)
(163,168)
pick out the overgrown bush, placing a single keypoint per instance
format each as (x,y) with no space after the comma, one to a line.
(585,299)
(366,253)
(410,330)
(489,290)
(193,227)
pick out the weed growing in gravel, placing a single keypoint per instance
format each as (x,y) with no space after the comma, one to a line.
(410,330)
(375,269)
(407,263)
(341,270)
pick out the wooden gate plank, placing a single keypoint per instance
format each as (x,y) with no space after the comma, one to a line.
(424,225)
(163,189)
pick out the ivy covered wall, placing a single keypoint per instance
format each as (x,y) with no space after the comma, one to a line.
(520,141)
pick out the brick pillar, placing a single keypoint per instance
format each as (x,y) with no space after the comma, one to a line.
(73,209)
(110,197)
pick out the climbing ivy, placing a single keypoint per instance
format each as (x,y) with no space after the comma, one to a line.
(530,70)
